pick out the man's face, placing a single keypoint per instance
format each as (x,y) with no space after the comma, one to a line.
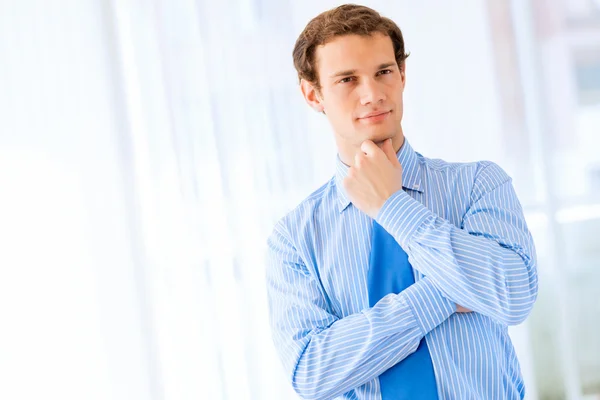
(361,89)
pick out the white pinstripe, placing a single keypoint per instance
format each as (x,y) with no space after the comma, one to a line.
(464,231)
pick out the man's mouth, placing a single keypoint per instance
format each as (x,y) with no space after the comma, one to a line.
(375,116)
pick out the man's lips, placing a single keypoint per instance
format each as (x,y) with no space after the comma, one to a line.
(376,115)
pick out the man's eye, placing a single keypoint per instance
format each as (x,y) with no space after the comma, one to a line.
(346,80)
(385,71)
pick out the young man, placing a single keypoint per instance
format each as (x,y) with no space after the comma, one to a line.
(398,278)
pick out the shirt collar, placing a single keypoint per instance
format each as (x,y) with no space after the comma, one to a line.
(411,173)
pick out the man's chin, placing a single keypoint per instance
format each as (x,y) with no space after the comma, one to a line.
(379,136)
(379,141)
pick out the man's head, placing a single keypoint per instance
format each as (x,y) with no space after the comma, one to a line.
(350,63)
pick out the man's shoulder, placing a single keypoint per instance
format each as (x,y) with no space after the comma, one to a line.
(437,164)
(323,197)
(477,169)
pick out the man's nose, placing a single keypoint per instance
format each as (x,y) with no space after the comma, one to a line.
(371,92)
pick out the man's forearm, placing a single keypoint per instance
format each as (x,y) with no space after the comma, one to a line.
(473,271)
(354,350)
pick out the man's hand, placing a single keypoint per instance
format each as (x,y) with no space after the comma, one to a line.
(375,176)
(461,309)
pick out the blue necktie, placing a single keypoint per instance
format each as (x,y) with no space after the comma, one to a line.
(390,272)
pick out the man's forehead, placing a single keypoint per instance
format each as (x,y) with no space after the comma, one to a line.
(353,51)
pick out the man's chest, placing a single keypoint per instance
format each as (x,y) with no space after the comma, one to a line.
(341,259)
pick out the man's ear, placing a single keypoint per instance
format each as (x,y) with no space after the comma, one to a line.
(312,96)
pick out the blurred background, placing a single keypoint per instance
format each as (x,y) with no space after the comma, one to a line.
(147,148)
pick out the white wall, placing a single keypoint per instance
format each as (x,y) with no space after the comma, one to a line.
(70,298)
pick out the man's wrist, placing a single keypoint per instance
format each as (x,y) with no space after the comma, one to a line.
(402,216)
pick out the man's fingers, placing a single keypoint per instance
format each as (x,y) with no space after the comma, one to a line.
(368,147)
(388,149)
(357,159)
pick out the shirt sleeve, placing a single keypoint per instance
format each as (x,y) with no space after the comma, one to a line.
(326,356)
(487,265)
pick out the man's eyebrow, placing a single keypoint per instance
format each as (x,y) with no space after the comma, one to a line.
(387,65)
(343,73)
(353,71)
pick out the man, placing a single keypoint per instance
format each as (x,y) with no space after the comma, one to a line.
(348,320)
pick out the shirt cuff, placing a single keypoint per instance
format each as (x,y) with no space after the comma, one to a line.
(402,216)
(428,305)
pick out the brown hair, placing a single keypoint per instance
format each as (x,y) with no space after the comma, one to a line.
(343,20)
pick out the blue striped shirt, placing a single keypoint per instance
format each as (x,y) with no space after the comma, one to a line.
(463,229)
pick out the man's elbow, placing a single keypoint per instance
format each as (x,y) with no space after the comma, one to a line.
(305,394)
(524,294)
(314,382)
(517,317)
(306,389)
(520,306)
(305,380)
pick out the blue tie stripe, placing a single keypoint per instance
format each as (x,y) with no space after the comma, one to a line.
(390,272)
(389,269)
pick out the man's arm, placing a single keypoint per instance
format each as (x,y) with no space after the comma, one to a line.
(326,356)
(489,264)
